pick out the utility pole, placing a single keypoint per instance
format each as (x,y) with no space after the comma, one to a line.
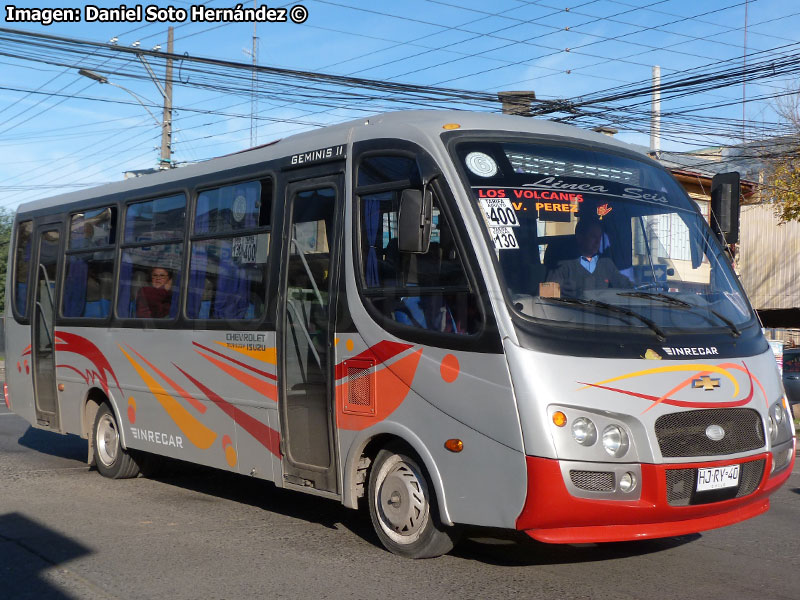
(517,103)
(165,161)
(655,113)
(166,126)
(254,103)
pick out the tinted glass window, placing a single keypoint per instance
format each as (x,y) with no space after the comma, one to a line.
(22,266)
(149,282)
(385,169)
(88,284)
(158,219)
(791,361)
(227,278)
(230,208)
(228,268)
(92,228)
(598,241)
(427,291)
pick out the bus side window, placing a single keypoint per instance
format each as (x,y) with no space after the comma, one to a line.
(22,267)
(152,249)
(88,284)
(230,243)
(428,291)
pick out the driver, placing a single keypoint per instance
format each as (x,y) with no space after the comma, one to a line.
(589,270)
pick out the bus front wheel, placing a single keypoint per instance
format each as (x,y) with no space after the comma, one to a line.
(403,509)
(110,457)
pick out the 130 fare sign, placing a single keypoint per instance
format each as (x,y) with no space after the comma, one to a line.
(501,218)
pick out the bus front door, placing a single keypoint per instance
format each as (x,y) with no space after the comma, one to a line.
(42,329)
(305,333)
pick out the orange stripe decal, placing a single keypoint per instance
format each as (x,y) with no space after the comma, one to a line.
(268,355)
(197,433)
(201,408)
(254,383)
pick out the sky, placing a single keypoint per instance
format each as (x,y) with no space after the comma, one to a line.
(60,131)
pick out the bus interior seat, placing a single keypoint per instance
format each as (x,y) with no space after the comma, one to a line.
(139,280)
(558,249)
(98,295)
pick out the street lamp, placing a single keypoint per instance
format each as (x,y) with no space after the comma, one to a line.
(103,79)
(165,161)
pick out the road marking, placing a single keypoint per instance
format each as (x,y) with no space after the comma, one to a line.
(5,414)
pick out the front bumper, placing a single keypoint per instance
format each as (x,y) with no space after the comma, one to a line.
(551,514)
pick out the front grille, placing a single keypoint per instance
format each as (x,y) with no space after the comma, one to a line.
(594,481)
(684,433)
(681,482)
(750,477)
(781,459)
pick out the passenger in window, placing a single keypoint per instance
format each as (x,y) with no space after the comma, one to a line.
(589,270)
(155,300)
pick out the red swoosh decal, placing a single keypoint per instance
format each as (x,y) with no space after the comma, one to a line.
(266,436)
(69,342)
(236,362)
(682,403)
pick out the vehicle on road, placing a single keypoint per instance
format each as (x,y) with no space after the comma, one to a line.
(791,374)
(403,312)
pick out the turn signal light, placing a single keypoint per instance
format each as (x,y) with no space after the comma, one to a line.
(451,126)
(5,395)
(559,419)
(454,445)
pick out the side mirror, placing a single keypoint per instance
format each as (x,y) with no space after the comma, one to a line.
(725,206)
(414,221)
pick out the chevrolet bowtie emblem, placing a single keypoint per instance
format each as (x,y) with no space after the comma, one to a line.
(705,382)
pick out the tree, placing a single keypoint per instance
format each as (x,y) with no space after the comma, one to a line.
(783,175)
(784,179)
(6,223)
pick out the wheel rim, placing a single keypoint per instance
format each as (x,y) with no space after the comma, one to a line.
(107,440)
(402,500)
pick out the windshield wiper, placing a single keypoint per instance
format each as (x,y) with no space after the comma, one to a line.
(683,304)
(657,296)
(617,309)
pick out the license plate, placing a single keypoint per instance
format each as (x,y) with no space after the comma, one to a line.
(717,478)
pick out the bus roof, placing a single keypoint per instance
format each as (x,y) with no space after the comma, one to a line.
(413,125)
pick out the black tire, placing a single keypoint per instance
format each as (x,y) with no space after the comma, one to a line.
(110,457)
(150,465)
(403,509)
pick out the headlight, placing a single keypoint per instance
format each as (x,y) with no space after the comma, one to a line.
(615,441)
(776,418)
(777,413)
(584,431)
(773,428)
(627,483)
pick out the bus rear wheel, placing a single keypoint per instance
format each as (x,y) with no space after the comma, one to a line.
(110,457)
(403,509)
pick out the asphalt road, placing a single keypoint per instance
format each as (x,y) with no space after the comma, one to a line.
(67,532)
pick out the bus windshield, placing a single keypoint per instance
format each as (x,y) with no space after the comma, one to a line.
(599,240)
